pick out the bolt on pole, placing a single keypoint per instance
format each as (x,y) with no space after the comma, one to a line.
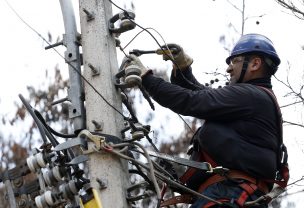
(99,67)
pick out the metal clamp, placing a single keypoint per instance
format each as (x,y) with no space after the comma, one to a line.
(96,143)
(142,185)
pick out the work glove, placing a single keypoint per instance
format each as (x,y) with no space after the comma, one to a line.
(180,58)
(134,60)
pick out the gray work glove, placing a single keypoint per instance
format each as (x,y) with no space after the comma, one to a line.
(177,53)
(134,60)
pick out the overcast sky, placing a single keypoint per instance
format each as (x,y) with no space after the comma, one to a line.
(195,25)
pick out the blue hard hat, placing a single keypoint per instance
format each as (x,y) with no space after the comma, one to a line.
(256,44)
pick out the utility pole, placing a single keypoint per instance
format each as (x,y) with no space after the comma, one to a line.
(100,65)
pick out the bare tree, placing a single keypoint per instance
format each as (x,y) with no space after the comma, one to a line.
(296,7)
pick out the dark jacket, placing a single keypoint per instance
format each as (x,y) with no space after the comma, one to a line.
(241,129)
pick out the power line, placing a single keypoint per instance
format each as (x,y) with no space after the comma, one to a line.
(79,73)
(170,56)
(74,68)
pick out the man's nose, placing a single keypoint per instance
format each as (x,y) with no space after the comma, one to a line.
(229,68)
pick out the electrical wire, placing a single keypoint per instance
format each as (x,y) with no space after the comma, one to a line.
(66,136)
(54,142)
(37,121)
(158,167)
(161,176)
(79,73)
(145,177)
(74,68)
(44,130)
(170,56)
(68,152)
(157,190)
(148,28)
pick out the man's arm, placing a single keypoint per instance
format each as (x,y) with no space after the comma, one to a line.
(186,79)
(223,104)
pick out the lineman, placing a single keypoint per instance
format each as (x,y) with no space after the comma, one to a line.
(242,129)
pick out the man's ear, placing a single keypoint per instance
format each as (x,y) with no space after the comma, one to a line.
(256,63)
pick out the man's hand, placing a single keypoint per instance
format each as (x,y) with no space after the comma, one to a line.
(134,60)
(178,55)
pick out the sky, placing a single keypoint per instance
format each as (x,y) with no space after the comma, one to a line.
(195,25)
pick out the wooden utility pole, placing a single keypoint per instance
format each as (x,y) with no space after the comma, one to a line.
(100,65)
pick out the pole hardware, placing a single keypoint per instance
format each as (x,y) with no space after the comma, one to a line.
(77,160)
(15,172)
(117,42)
(54,45)
(136,188)
(90,15)
(126,22)
(60,101)
(95,71)
(138,131)
(98,125)
(102,183)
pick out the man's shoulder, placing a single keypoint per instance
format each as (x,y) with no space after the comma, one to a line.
(245,90)
(243,87)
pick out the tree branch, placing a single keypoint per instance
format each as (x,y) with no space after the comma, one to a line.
(295,124)
(290,6)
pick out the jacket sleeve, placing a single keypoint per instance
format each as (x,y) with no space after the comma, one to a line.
(231,102)
(185,79)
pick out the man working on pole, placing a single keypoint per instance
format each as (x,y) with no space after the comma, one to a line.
(242,131)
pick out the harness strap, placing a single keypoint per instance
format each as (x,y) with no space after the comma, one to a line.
(187,175)
(202,156)
(233,174)
(210,204)
(249,186)
(186,199)
(244,69)
(282,165)
(248,190)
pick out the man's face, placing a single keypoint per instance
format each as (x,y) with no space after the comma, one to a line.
(235,68)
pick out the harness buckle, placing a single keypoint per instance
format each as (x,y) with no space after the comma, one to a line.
(220,170)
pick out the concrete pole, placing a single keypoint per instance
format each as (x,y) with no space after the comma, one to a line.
(100,65)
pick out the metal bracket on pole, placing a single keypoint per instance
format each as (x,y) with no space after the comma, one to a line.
(10,193)
(72,57)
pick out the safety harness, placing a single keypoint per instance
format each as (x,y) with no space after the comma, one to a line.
(249,184)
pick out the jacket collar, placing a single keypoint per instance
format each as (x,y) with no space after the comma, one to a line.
(264,82)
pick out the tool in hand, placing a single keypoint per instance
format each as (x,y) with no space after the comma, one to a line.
(159,51)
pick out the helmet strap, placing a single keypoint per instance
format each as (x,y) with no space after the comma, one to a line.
(244,69)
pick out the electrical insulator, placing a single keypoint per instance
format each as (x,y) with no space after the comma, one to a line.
(70,189)
(126,19)
(36,161)
(54,175)
(132,77)
(47,199)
